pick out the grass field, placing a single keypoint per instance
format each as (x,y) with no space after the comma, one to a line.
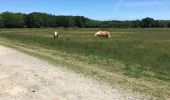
(135,54)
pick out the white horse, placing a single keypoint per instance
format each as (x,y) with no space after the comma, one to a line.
(55,34)
(105,34)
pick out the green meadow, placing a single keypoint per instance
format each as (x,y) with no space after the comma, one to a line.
(138,54)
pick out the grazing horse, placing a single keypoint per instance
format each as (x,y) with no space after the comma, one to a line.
(55,34)
(105,34)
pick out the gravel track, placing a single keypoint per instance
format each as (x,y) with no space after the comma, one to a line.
(23,77)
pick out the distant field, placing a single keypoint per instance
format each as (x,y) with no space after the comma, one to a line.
(135,53)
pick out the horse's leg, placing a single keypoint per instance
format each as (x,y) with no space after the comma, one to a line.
(106,36)
(99,36)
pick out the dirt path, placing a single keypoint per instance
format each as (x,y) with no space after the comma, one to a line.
(23,77)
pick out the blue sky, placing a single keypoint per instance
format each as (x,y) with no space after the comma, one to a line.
(95,9)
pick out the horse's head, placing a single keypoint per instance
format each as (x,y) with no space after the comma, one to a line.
(109,35)
(98,33)
(95,34)
(55,33)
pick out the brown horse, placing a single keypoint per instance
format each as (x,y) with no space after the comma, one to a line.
(104,34)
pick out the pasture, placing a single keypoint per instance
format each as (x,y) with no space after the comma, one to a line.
(133,53)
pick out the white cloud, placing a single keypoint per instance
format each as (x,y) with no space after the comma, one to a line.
(118,5)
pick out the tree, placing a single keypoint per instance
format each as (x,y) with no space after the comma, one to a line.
(148,22)
(136,23)
(168,24)
(12,20)
(1,21)
(51,22)
(92,23)
(80,21)
(71,21)
(35,20)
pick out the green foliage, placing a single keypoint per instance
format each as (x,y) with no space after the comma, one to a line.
(1,21)
(168,24)
(37,20)
(12,20)
(92,23)
(148,22)
(80,21)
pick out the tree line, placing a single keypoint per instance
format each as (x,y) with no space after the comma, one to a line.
(40,20)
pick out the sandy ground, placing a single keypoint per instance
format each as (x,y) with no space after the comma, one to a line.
(23,77)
